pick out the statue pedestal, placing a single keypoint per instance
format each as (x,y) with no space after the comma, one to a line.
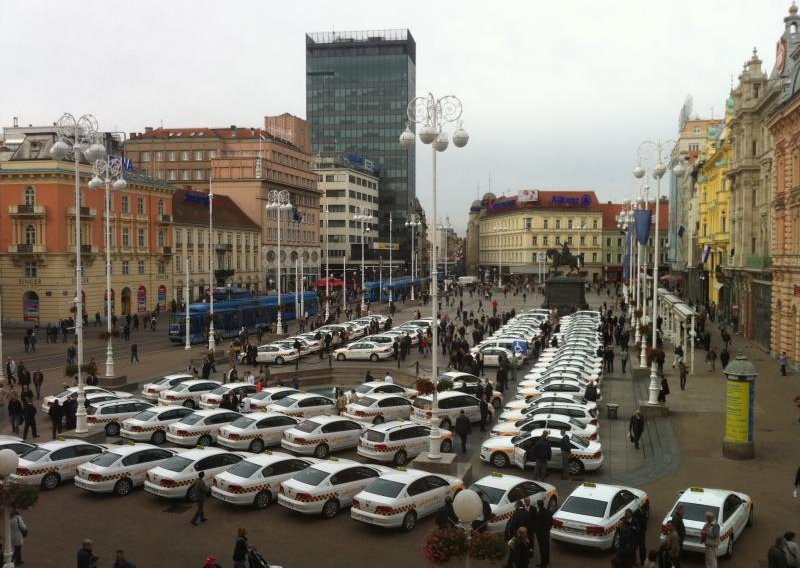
(564,293)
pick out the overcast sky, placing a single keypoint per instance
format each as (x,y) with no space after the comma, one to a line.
(556,94)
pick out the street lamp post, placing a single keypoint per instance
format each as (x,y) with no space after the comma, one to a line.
(78,136)
(2,364)
(187,321)
(433,114)
(211,340)
(656,150)
(391,294)
(279,201)
(9,461)
(363,215)
(327,259)
(413,221)
(104,171)
(446,226)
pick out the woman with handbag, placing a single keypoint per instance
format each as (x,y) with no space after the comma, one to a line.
(19,531)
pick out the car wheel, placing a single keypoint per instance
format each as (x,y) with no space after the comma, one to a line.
(499,459)
(340,357)
(123,487)
(750,517)
(330,509)
(379,420)
(190,404)
(373,357)
(279,360)
(205,440)
(615,541)
(322,451)
(575,467)
(262,500)
(447,446)
(446,424)
(158,437)
(51,481)
(729,549)
(409,521)
(256,446)
(400,458)
(112,429)
(552,504)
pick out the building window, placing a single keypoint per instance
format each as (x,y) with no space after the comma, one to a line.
(190,261)
(171,156)
(200,262)
(126,267)
(238,240)
(608,242)
(528,223)
(199,174)
(705,234)
(230,239)
(545,224)
(126,205)
(162,267)
(141,238)
(140,205)
(583,240)
(30,235)
(198,155)
(558,240)
(724,223)
(185,175)
(160,206)
(141,267)
(238,262)
(535,241)
(30,270)
(189,235)
(545,240)
(558,223)
(30,196)
(569,224)
(569,240)
(173,175)
(619,241)
(247,262)
(594,240)
(159,156)
(178,237)
(594,223)
(126,237)
(594,257)
(178,264)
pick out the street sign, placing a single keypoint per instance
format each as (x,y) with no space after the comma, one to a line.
(520,346)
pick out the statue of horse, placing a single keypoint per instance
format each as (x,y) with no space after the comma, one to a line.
(574,262)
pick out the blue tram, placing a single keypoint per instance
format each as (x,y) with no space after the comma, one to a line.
(401,284)
(252,312)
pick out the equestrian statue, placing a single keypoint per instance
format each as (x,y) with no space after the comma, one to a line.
(565,258)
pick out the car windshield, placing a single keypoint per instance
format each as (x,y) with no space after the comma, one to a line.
(374,435)
(191,419)
(364,389)
(244,469)
(286,402)
(180,387)
(584,506)
(366,401)
(220,390)
(105,459)
(697,511)
(243,422)
(493,494)
(307,426)
(579,442)
(35,454)
(422,403)
(385,488)
(176,463)
(145,415)
(311,476)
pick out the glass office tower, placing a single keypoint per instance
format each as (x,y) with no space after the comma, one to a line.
(358,85)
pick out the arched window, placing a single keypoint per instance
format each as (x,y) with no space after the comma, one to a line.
(160,206)
(30,235)
(30,196)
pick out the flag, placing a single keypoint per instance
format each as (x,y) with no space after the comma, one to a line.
(526,195)
(127,164)
(642,218)
(706,253)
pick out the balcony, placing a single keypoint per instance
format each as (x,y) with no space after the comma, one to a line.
(189,246)
(165,218)
(85,249)
(758,262)
(86,212)
(26,210)
(178,246)
(166,250)
(26,249)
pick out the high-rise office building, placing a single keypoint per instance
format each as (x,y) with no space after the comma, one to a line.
(358,85)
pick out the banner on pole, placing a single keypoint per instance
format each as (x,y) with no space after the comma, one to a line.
(642,218)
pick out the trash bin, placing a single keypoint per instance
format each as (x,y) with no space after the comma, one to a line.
(612,411)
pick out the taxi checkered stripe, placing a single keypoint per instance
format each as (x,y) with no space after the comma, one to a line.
(315,498)
(361,413)
(389,449)
(239,437)
(305,442)
(111,476)
(94,420)
(175,484)
(142,428)
(191,434)
(583,456)
(39,471)
(241,490)
(396,510)
(503,517)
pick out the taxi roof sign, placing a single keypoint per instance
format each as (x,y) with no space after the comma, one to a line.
(496,474)
(696,489)
(589,484)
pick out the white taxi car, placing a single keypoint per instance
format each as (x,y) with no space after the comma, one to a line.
(326,487)
(492,355)
(278,354)
(733,511)
(200,427)
(545,420)
(561,387)
(304,405)
(501,451)
(400,498)
(257,479)
(382,387)
(580,412)
(52,462)
(320,435)
(214,398)
(187,393)
(254,431)
(121,468)
(502,491)
(364,350)
(550,397)
(15,444)
(450,403)
(151,424)
(150,391)
(175,477)
(72,392)
(378,408)
(593,513)
(261,400)
(112,413)
(399,441)
(307,342)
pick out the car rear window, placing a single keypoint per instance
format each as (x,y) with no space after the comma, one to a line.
(286,402)
(584,506)
(191,419)
(219,390)
(385,488)
(311,476)
(493,494)
(145,416)
(244,469)
(697,512)
(35,454)
(180,387)
(243,422)
(307,426)
(176,463)
(374,435)
(366,401)
(423,404)
(105,459)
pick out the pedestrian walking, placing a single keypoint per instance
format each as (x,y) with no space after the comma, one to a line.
(672,545)
(86,557)
(446,517)
(134,352)
(241,549)
(120,561)
(684,373)
(664,390)
(565,445)
(341,402)
(636,427)
(38,379)
(519,518)
(200,490)
(541,453)
(462,428)
(792,550)
(776,557)
(14,412)
(724,357)
(29,415)
(56,413)
(709,536)
(680,528)
(678,358)
(711,359)
(628,538)
(782,362)
(639,523)
(623,359)
(19,530)
(484,406)
(544,522)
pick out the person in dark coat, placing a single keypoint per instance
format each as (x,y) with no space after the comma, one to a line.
(677,523)
(664,390)
(241,549)
(484,411)
(628,538)
(541,454)
(518,519)
(29,414)
(639,523)
(520,551)
(56,414)
(544,522)
(591,392)
(636,427)
(462,428)
(446,517)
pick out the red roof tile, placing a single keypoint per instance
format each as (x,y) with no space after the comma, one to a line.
(188,207)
